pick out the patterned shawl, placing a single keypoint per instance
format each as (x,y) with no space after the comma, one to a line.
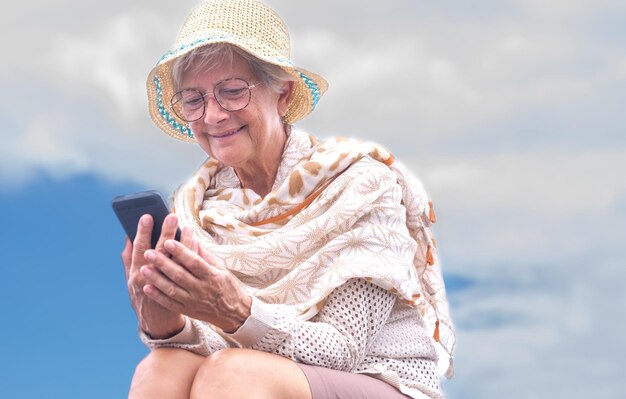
(339,209)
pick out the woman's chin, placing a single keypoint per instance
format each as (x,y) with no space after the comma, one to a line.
(229,156)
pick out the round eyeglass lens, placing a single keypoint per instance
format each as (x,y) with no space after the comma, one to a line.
(188,105)
(232,94)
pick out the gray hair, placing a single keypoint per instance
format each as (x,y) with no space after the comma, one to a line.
(213,55)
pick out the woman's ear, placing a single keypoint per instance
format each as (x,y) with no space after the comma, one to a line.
(285,98)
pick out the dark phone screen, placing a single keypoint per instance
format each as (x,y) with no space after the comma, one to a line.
(129,208)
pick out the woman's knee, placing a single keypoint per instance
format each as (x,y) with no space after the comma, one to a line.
(166,359)
(248,373)
(165,371)
(227,364)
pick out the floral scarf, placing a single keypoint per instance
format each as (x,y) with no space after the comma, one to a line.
(339,209)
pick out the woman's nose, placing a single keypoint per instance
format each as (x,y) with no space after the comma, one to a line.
(213,111)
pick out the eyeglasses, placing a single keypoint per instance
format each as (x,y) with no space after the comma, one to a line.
(231,94)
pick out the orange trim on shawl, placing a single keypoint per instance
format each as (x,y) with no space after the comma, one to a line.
(295,209)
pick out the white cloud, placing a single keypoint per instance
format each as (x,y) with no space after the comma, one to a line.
(550,181)
(440,79)
(90,113)
(523,328)
(44,142)
(112,58)
(565,8)
(41,142)
(524,209)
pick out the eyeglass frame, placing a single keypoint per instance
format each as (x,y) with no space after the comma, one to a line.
(248,86)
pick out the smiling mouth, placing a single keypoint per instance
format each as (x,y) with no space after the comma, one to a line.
(227,134)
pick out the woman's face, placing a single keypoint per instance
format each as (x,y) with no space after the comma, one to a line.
(243,139)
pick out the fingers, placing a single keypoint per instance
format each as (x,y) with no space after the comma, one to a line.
(159,297)
(142,239)
(170,279)
(127,256)
(168,230)
(186,238)
(195,264)
(174,286)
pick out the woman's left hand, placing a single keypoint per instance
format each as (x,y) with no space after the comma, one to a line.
(194,283)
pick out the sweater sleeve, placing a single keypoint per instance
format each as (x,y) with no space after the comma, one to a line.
(337,338)
(197,337)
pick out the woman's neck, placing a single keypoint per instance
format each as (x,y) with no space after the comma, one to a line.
(261,181)
(259,176)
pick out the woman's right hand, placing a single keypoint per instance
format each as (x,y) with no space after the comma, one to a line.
(155,320)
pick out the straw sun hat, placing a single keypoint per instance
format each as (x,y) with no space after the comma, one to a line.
(247,24)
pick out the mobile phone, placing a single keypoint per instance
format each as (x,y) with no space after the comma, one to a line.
(130,207)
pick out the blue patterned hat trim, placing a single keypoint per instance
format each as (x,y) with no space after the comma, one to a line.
(166,115)
(186,46)
(313,88)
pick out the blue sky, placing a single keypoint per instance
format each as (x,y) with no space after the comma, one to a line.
(511,112)
(68,326)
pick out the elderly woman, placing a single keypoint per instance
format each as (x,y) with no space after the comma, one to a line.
(305,269)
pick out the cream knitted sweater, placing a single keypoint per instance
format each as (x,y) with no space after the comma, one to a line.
(360,329)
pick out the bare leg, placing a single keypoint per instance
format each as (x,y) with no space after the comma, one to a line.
(165,374)
(245,373)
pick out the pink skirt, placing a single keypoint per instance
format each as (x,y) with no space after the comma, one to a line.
(332,384)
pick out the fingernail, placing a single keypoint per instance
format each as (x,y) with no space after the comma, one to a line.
(145,220)
(146,271)
(172,221)
(169,245)
(150,255)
